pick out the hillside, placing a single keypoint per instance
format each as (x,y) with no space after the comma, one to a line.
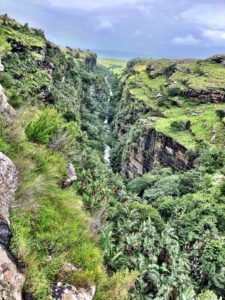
(148,226)
(168,134)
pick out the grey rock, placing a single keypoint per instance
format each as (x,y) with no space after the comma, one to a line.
(11,279)
(6,110)
(71,176)
(8,187)
(69,292)
(2,68)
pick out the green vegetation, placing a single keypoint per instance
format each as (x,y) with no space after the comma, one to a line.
(115,65)
(156,235)
(182,103)
(61,101)
(41,130)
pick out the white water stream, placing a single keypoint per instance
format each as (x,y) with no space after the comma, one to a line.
(107,148)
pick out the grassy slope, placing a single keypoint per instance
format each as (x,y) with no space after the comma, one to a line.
(114,65)
(50,226)
(202,76)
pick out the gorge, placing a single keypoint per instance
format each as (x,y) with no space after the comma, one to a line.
(113,172)
(106,124)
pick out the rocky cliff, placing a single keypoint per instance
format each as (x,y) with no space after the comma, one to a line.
(11,278)
(172,101)
(154,149)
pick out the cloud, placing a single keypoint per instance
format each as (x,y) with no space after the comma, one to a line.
(185,40)
(211,16)
(214,35)
(138,33)
(105,25)
(87,5)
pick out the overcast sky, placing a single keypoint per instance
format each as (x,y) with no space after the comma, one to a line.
(153,28)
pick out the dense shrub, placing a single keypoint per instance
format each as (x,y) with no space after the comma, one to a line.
(181,125)
(211,159)
(15,100)
(175,91)
(41,130)
(5,80)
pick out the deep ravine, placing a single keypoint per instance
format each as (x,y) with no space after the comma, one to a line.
(107,148)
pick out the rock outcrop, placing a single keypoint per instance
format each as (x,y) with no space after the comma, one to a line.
(68,292)
(6,110)
(205,96)
(2,68)
(90,60)
(11,279)
(17,46)
(155,149)
(71,176)
(218,58)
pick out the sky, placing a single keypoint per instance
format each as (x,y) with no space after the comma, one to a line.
(128,28)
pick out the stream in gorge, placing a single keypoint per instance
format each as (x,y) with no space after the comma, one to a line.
(107,148)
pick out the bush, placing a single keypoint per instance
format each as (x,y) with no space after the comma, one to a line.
(175,91)
(15,100)
(211,159)
(116,287)
(220,113)
(180,125)
(5,80)
(207,295)
(41,130)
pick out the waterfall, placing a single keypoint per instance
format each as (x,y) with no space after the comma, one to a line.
(107,148)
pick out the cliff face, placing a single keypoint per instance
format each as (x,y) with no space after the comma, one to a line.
(11,279)
(155,149)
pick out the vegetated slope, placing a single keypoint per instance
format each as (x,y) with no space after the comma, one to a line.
(168,141)
(179,103)
(60,99)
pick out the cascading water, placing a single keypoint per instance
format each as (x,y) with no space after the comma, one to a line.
(107,148)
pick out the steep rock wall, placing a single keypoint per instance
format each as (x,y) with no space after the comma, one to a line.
(11,279)
(155,149)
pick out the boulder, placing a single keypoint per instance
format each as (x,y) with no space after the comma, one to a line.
(17,46)
(6,110)
(8,186)
(71,176)
(69,292)
(149,68)
(11,280)
(1,67)
(218,58)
